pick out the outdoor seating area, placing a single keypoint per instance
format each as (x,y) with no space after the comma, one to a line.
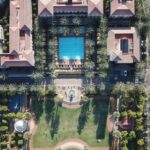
(70,65)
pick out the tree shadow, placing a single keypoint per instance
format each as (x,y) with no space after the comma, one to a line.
(54,125)
(55,121)
(83,117)
(100,111)
(37,109)
(49,109)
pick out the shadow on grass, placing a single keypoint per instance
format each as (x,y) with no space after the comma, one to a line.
(49,109)
(52,116)
(83,117)
(100,111)
(37,109)
(55,125)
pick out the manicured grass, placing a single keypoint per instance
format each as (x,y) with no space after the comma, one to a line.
(56,124)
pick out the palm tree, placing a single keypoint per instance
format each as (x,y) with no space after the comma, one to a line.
(89,43)
(65,31)
(33,89)
(53,75)
(53,30)
(12,89)
(76,21)
(76,31)
(37,76)
(90,89)
(22,89)
(89,75)
(85,99)
(53,66)
(51,89)
(89,65)
(3,76)
(4,89)
(64,21)
(90,30)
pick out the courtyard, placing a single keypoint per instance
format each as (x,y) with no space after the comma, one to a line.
(54,124)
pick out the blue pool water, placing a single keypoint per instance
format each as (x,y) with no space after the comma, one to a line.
(14,104)
(71,47)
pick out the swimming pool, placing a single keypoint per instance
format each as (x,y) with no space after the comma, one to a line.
(71,47)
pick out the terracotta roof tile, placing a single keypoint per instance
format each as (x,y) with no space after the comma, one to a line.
(20,19)
(115,53)
(122,8)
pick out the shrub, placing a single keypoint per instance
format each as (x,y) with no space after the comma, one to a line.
(19,115)
(140,142)
(27,135)
(20,142)
(3,128)
(132,135)
(131,114)
(124,114)
(4,121)
(3,100)
(4,108)
(90,89)
(27,115)
(124,134)
(4,143)
(5,135)
(20,135)
(11,115)
(124,142)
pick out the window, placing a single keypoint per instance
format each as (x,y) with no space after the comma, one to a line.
(22,34)
(124,45)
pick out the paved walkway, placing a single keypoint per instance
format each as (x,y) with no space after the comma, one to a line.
(72,142)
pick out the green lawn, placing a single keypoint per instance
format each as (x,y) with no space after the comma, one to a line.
(56,124)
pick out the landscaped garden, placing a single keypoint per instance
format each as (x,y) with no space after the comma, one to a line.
(56,124)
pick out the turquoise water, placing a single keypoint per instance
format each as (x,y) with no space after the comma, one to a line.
(71,47)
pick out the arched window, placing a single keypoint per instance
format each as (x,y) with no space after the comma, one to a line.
(124,45)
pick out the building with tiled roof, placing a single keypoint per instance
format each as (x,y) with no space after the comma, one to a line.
(51,7)
(122,8)
(123,45)
(20,35)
